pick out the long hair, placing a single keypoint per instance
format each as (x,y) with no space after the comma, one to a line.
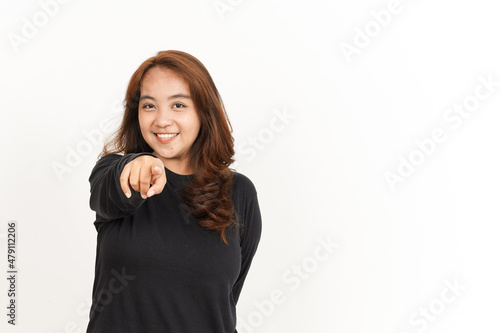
(208,195)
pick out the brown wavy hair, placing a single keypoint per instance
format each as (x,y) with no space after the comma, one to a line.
(208,195)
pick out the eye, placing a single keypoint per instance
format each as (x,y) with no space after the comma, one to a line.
(181,105)
(148,106)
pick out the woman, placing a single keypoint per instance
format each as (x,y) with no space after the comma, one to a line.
(177,228)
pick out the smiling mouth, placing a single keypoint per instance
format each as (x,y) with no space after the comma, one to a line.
(166,136)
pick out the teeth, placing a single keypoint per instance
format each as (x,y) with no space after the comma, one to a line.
(166,136)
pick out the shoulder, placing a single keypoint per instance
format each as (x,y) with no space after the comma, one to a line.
(107,159)
(246,204)
(242,184)
(110,158)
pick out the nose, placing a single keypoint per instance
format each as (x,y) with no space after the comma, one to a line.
(164,117)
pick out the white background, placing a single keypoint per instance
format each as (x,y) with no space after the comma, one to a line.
(321,176)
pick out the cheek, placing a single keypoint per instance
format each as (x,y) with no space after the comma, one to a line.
(194,128)
(190,124)
(195,124)
(144,120)
(143,126)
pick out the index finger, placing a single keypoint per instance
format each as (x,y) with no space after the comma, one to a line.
(158,180)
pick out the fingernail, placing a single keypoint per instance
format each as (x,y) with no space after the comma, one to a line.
(151,193)
(143,196)
(127,195)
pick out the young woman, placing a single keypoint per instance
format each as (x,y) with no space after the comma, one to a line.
(177,229)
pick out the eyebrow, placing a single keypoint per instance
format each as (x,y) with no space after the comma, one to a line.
(171,97)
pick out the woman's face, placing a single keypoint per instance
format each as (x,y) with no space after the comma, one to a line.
(165,109)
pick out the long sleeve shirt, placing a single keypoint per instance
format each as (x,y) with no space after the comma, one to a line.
(156,269)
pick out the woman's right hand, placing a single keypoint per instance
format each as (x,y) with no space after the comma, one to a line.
(141,172)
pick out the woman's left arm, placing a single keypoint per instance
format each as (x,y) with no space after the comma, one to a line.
(252,230)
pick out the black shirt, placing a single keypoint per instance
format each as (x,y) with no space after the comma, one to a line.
(156,269)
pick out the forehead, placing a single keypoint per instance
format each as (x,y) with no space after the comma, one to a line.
(163,80)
